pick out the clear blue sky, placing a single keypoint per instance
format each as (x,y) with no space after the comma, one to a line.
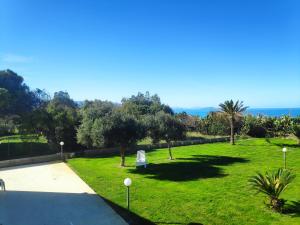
(191,53)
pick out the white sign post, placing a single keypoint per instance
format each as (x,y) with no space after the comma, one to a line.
(141,158)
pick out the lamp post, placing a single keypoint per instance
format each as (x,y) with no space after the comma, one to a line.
(61,149)
(127,183)
(284,150)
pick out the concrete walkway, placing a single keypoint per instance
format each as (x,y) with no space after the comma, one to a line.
(51,194)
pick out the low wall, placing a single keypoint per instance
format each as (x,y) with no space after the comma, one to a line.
(54,157)
(151,146)
(29,160)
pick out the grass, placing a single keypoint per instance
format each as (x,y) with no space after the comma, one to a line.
(195,135)
(18,146)
(205,184)
(190,135)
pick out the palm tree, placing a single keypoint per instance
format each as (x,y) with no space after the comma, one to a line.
(273,184)
(233,111)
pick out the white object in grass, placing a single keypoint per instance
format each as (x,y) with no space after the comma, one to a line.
(141,158)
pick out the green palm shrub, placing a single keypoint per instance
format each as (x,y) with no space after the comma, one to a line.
(273,184)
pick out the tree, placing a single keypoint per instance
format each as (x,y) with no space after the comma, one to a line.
(4,98)
(117,129)
(17,102)
(61,120)
(296,132)
(169,129)
(215,123)
(273,184)
(144,104)
(38,120)
(191,123)
(91,111)
(153,128)
(233,111)
(16,97)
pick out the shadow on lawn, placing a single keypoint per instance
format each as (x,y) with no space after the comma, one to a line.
(184,169)
(270,143)
(134,219)
(130,217)
(292,208)
(281,145)
(178,223)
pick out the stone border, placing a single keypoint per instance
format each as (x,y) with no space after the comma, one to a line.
(29,160)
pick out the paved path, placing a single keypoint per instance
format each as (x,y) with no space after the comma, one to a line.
(51,194)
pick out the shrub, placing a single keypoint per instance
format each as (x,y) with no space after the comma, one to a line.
(254,126)
(273,184)
(296,132)
(284,126)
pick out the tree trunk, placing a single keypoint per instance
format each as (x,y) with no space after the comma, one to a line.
(232,131)
(276,204)
(170,151)
(122,153)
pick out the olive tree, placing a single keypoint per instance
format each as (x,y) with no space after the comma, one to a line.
(61,120)
(117,129)
(168,128)
(144,104)
(90,111)
(16,98)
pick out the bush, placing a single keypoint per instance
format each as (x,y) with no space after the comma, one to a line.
(296,132)
(263,126)
(214,124)
(273,184)
(254,126)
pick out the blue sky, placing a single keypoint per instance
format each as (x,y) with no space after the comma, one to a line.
(191,53)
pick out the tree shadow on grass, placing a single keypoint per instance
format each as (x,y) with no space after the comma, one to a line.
(185,169)
(178,223)
(281,145)
(252,145)
(292,208)
(270,143)
(130,217)
(134,219)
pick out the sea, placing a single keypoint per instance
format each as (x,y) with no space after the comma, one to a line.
(274,112)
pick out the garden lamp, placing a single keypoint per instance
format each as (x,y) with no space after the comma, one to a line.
(284,150)
(127,183)
(61,149)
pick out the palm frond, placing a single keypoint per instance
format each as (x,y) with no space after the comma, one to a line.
(233,108)
(272,184)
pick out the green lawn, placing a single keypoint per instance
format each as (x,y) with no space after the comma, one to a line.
(206,184)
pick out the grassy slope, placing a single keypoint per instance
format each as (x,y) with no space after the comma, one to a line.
(205,184)
(190,135)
